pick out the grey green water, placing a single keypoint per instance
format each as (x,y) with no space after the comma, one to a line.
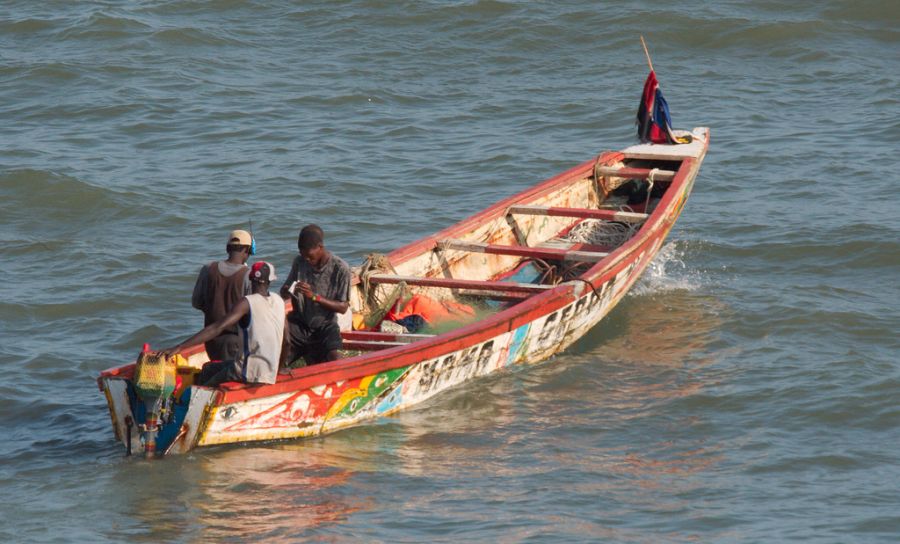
(746,391)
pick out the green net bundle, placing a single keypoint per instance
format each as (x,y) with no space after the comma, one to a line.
(154,376)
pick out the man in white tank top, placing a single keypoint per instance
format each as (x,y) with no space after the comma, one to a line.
(260,316)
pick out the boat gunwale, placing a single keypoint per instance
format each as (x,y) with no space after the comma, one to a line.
(496,324)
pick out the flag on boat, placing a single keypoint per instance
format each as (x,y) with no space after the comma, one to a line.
(653,118)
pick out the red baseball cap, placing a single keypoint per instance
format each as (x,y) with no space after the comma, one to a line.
(262,272)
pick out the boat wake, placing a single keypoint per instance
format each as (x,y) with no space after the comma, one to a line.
(667,272)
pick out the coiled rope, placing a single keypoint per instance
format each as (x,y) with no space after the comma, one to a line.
(602,233)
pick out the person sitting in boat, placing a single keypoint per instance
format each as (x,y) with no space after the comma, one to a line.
(319,287)
(261,318)
(220,285)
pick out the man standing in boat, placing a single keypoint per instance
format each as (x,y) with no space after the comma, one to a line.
(260,316)
(319,287)
(220,285)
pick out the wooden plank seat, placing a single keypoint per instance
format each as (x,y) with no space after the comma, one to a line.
(369,345)
(490,295)
(452,283)
(378,336)
(524,251)
(583,213)
(636,173)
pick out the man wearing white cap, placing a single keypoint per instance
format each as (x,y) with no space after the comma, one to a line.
(220,285)
(260,316)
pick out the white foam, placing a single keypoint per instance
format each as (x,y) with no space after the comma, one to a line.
(667,272)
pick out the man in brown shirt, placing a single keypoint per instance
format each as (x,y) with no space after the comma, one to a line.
(220,286)
(261,336)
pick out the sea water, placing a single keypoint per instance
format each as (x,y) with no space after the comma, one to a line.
(746,390)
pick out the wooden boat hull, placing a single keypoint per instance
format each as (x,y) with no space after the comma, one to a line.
(327,397)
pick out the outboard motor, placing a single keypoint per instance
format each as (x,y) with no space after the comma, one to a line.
(154,383)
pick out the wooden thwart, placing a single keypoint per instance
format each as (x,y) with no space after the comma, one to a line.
(378,336)
(490,295)
(636,173)
(583,213)
(523,251)
(452,283)
(370,345)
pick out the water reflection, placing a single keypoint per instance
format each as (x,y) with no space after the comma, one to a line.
(289,490)
(672,329)
(609,424)
(270,493)
(238,493)
(627,400)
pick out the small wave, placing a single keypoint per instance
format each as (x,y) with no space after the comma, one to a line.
(27,26)
(99,26)
(55,73)
(775,34)
(78,307)
(461,12)
(337,100)
(803,252)
(49,197)
(38,449)
(192,7)
(865,11)
(192,37)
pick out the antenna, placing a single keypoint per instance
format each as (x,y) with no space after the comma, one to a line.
(252,239)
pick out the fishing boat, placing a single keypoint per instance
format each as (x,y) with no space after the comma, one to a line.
(518,282)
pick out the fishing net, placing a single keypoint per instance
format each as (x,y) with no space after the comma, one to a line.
(602,233)
(378,301)
(383,306)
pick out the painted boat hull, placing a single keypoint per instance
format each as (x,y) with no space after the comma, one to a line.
(331,396)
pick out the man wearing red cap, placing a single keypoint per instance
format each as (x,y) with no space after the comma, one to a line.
(220,285)
(260,337)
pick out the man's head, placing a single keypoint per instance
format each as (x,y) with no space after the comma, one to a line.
(262,274)
(311,244)
(239,242)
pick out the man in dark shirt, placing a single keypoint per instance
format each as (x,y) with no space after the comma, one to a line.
(261,336)
(319,288)
(220,285)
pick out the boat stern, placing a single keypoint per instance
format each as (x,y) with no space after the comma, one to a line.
(171,423)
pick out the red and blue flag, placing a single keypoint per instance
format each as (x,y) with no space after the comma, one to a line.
(653,118)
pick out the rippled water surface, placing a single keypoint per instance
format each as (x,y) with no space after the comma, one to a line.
(745,391)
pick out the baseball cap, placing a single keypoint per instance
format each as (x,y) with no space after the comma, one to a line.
(240,238)
(262,272)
